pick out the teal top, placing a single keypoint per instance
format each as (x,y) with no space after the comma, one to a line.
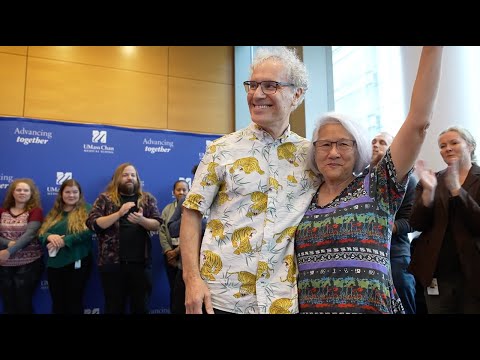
(77,245)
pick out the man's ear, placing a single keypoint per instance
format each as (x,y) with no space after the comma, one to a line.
(297,95)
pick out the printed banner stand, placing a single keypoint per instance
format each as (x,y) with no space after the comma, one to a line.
(51,152)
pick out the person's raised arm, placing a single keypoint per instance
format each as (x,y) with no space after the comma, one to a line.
(408,142)
(196,290)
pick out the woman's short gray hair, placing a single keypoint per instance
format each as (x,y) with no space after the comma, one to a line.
(363,147)
(295,68)
(466,135)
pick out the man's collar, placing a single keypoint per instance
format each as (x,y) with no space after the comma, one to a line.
(260,133)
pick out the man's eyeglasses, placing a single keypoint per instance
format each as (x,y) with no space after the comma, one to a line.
(268,87)
(343,145)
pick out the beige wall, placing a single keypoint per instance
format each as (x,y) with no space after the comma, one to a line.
(176,88)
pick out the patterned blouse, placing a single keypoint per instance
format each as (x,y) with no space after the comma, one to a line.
(13,227)
(257,189)
(343,248)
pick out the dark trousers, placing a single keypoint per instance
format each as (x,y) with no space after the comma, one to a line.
(454,297)
(221,312)
(404,282)
(67,286)
(130,284)
(17,286)
(171,275)
(420,301)
(178,294)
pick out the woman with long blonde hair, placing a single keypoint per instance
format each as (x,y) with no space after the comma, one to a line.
(69,244)
(446,260)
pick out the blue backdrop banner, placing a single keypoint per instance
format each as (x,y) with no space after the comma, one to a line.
(51,152)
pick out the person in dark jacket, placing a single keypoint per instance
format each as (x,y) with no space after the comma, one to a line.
(169,244)
(420,301)
(446,210)
(403,281)
(178,292)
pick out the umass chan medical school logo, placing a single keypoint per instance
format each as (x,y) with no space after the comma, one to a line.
(98,143)
(61,177)
(99,136)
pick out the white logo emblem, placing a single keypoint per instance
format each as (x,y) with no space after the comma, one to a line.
(91,311)
(99,136)
(62,176)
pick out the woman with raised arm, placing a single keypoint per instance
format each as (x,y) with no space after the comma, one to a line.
(343,242)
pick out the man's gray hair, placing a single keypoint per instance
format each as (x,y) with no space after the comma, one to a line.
(295,68)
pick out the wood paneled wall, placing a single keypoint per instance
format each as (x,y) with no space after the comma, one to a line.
(176,88)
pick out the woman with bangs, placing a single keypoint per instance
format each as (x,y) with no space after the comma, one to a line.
(69,244)
(343,241)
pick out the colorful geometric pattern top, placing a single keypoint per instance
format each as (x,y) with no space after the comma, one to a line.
(343,248)
(257,189)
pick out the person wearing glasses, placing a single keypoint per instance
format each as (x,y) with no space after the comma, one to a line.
(257,187)
(343,241)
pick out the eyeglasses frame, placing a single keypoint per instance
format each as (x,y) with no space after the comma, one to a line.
(336,145)
(247,84)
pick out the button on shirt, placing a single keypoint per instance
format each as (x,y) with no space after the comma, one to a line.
(258,189)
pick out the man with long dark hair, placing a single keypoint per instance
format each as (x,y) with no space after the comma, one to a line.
(122,218)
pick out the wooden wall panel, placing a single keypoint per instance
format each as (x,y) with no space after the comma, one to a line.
(83,93)
(150,59)
(106,85)
(19,50)
(12,84)
(207,63)
(200,106)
